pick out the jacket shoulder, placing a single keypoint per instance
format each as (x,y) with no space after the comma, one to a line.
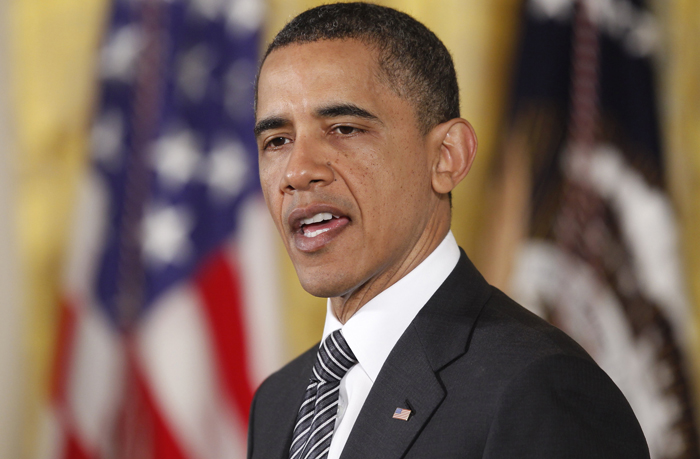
(516,330)
(297,369)
(523,388)
(274,408)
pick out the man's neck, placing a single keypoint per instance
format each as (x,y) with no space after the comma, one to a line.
(345,306)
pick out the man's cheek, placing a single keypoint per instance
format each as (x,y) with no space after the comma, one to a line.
(266,180)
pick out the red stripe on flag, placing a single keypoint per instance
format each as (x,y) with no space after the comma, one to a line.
(67,321)
(142,430)
(73,449)
(219,285)
(64,344)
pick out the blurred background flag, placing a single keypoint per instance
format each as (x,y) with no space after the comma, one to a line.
(597,250)
(169,314)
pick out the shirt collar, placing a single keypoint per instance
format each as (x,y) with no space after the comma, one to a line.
(372,332)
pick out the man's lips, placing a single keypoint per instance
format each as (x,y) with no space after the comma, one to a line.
(319,223)
(315,226)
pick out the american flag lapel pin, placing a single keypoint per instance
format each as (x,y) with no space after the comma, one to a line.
(401,413)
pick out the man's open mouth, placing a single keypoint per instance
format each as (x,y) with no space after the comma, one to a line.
(319,223)
(316,225)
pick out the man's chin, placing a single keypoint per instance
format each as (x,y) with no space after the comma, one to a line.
(322,284)
(321,290)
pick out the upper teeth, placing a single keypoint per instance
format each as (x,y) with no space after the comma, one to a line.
(317,218)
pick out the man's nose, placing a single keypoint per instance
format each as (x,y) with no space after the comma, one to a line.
(308,166)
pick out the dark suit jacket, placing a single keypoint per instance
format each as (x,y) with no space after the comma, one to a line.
(484,378)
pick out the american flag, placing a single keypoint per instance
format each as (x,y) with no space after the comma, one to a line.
(401,413)
(168,317)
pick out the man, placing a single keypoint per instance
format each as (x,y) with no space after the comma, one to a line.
(360,144)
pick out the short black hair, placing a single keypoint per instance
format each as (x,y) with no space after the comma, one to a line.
(412,60)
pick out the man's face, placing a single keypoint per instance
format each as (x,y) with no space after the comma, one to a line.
(343,166)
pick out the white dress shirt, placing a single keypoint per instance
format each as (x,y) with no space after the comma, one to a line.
(372,332)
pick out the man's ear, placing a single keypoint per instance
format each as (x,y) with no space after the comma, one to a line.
(456,144)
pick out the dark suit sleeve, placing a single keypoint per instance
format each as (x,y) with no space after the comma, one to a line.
(251,424)
(564,407)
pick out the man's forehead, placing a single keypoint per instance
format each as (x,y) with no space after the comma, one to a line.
(335,52)
(333,69)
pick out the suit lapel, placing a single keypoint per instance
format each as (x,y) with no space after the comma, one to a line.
(410,376)
(406,381)
(285,403)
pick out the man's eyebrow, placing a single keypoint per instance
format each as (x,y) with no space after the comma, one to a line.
(330,111)
(273,122)
(334,110)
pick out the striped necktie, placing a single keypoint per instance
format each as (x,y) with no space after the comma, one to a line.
(316,418)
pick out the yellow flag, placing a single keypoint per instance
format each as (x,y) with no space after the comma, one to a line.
(52,47)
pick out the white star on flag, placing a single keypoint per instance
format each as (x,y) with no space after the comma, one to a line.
(551,9)
(166,235)
(244,16)
(208,9)
(107,134)
(193,72)
(175,158)
(227,169)
(118,58)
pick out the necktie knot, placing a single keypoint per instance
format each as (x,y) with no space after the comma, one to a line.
(334,358)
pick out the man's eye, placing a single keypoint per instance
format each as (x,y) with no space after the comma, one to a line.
(276,142)
(347,130)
